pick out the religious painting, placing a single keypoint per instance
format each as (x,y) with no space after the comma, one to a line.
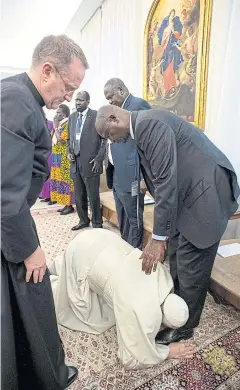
(176,57)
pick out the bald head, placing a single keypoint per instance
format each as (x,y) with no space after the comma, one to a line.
(113,123)
(115,91)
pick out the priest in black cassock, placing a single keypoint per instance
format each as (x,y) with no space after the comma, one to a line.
(32,355)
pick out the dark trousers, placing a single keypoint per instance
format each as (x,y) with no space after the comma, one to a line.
(191,269)
(32,355)
(87,188)
(126,206)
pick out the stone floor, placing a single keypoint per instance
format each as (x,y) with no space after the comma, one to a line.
(216,364)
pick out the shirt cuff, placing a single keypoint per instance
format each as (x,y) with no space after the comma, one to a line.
(159,238)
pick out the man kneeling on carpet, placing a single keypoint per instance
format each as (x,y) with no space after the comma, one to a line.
(99,283)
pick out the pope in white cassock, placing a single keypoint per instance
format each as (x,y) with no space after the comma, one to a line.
(99,283)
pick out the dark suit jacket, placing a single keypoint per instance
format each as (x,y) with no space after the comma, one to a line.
(194,184)
(91,144)
(124,154)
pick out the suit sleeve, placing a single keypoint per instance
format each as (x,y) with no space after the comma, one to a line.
(158,143)
(18,237)
(102,150)
(145,105)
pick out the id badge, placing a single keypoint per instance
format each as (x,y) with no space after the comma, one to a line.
(135,188)
(78,136)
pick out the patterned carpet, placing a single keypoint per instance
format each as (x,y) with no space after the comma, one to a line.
(216,365)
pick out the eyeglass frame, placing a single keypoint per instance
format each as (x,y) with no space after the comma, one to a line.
(68,88)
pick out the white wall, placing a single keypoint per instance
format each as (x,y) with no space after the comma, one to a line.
(113,43)
(25,22)
(223,96)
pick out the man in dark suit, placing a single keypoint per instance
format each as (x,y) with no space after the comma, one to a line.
(122,167)
(86,151)
(195,189)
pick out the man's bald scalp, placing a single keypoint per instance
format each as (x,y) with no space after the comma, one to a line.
(103,113)
(116,83)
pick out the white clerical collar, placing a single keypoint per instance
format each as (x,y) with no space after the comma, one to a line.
(131,128)
(125,100)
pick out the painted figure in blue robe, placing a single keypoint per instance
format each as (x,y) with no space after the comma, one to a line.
(169,35)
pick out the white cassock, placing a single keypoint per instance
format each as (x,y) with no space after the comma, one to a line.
(99,283)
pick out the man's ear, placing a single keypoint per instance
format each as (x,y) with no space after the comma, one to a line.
(113,118)
(47,69)
(120,90)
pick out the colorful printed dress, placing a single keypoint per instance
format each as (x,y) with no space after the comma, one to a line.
(45,194)
(61,185)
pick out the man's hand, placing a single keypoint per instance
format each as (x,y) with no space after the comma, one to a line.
(181,351)
(55,123)
(96,165)
(70,157)
(143,187)
(153,252)
(36,266)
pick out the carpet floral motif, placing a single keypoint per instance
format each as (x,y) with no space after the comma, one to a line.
(215,366)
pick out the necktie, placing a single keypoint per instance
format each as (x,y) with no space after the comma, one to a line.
(78,131)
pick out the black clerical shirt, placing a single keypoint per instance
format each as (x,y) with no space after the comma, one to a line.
(25,146)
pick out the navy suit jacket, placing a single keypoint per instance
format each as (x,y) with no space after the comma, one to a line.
(124,154)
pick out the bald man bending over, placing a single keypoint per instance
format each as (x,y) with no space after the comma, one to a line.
(195,189)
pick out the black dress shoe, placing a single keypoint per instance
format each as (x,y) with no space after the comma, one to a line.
(68,210)
(51,202)
(72,375)
(80,226)
(168,335)
(62,209)
(45,200)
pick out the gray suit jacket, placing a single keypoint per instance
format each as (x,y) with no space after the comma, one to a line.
(91,144)
(194,184)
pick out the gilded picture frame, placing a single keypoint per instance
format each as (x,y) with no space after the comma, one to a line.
(176,50)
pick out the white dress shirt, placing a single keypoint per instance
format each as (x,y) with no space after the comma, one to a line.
(84,115)
(125,100)
(109,152)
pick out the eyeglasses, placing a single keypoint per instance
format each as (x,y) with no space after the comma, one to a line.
(68,88)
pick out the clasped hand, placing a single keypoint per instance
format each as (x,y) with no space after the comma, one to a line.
(154,252)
